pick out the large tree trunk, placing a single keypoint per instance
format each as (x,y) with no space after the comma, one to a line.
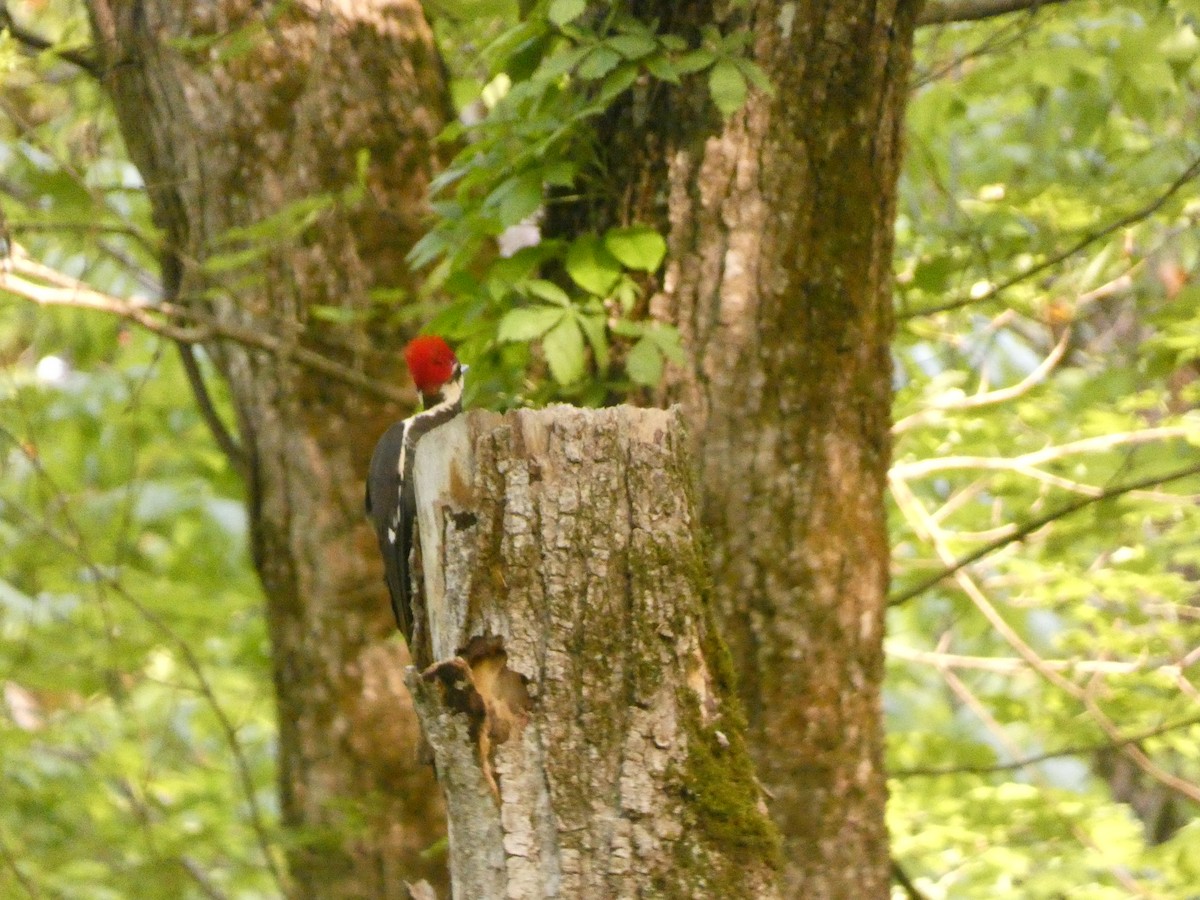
(780,234)
(579,703)
(234,111)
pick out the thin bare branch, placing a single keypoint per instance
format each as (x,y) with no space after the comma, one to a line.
(1012,664)
(1098,444)
(225,440)
(184,324)
(943,12)
(1024,762)
(38,44)
(1050,262)
(1027,528)
(901,878)
(74,544)
(987,398)
(200,877)
(919,518)
(13,864)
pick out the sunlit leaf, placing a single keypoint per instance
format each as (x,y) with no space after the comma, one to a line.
(727,85)
(564,349)
(592,266)
(644,364)
(639,247)
(528,323)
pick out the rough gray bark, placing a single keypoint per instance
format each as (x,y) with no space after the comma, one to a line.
(234,112)
(779,224)
(577,698)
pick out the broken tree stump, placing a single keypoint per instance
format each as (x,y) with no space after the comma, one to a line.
(569,680)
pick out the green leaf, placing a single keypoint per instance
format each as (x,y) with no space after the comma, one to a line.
(618,81)
(529,323)
(563,11)
(662,68)
(515,198)
(727,85)
(548,290)
(563,61)
(637,247)
(341,315)
(593,328)
(644,364)
(666,339)
(591,266)
(754,74)
(561,173)
(627,294)
(563,346)
(628,328)
(695,61)
(632,46)
(599,63)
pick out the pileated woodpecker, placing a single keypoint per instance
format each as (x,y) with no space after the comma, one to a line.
(391,501)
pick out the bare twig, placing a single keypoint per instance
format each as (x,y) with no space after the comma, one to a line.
(1025,762)
(944,12)
(10,860)
(1098,444)
(75,546)
(37,43)
(1050,262)
(988,398)
(901,878)
(197,874)
(1012,664)
(1027,528)
(922,523)
(1001,39)
(184,324)
(225,440)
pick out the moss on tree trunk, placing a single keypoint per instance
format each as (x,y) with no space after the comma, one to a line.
(578,699)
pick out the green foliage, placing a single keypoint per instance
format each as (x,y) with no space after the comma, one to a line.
(1027,140)
(136,682)
(137,735)
(570,306)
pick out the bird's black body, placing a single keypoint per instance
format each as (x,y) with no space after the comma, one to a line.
(391,499)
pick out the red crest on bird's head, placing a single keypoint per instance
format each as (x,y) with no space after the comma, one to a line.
(431,362)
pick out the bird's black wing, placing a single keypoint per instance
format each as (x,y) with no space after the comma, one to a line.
(392,502)
(385,501)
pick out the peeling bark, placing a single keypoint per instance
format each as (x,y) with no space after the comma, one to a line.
(235,112)
(576,697)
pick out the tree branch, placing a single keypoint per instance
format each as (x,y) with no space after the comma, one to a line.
(37,43)
(947,11)
(988,398)
(1098,444)
(905,498)
(1009,664)
(901,878)
(1136,216)
(1078,750)
(74,545)
(183,324)
(1024,530)
(225,440)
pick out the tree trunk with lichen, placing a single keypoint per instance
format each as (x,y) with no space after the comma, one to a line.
(779,223)
(320,119)
(575,693)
